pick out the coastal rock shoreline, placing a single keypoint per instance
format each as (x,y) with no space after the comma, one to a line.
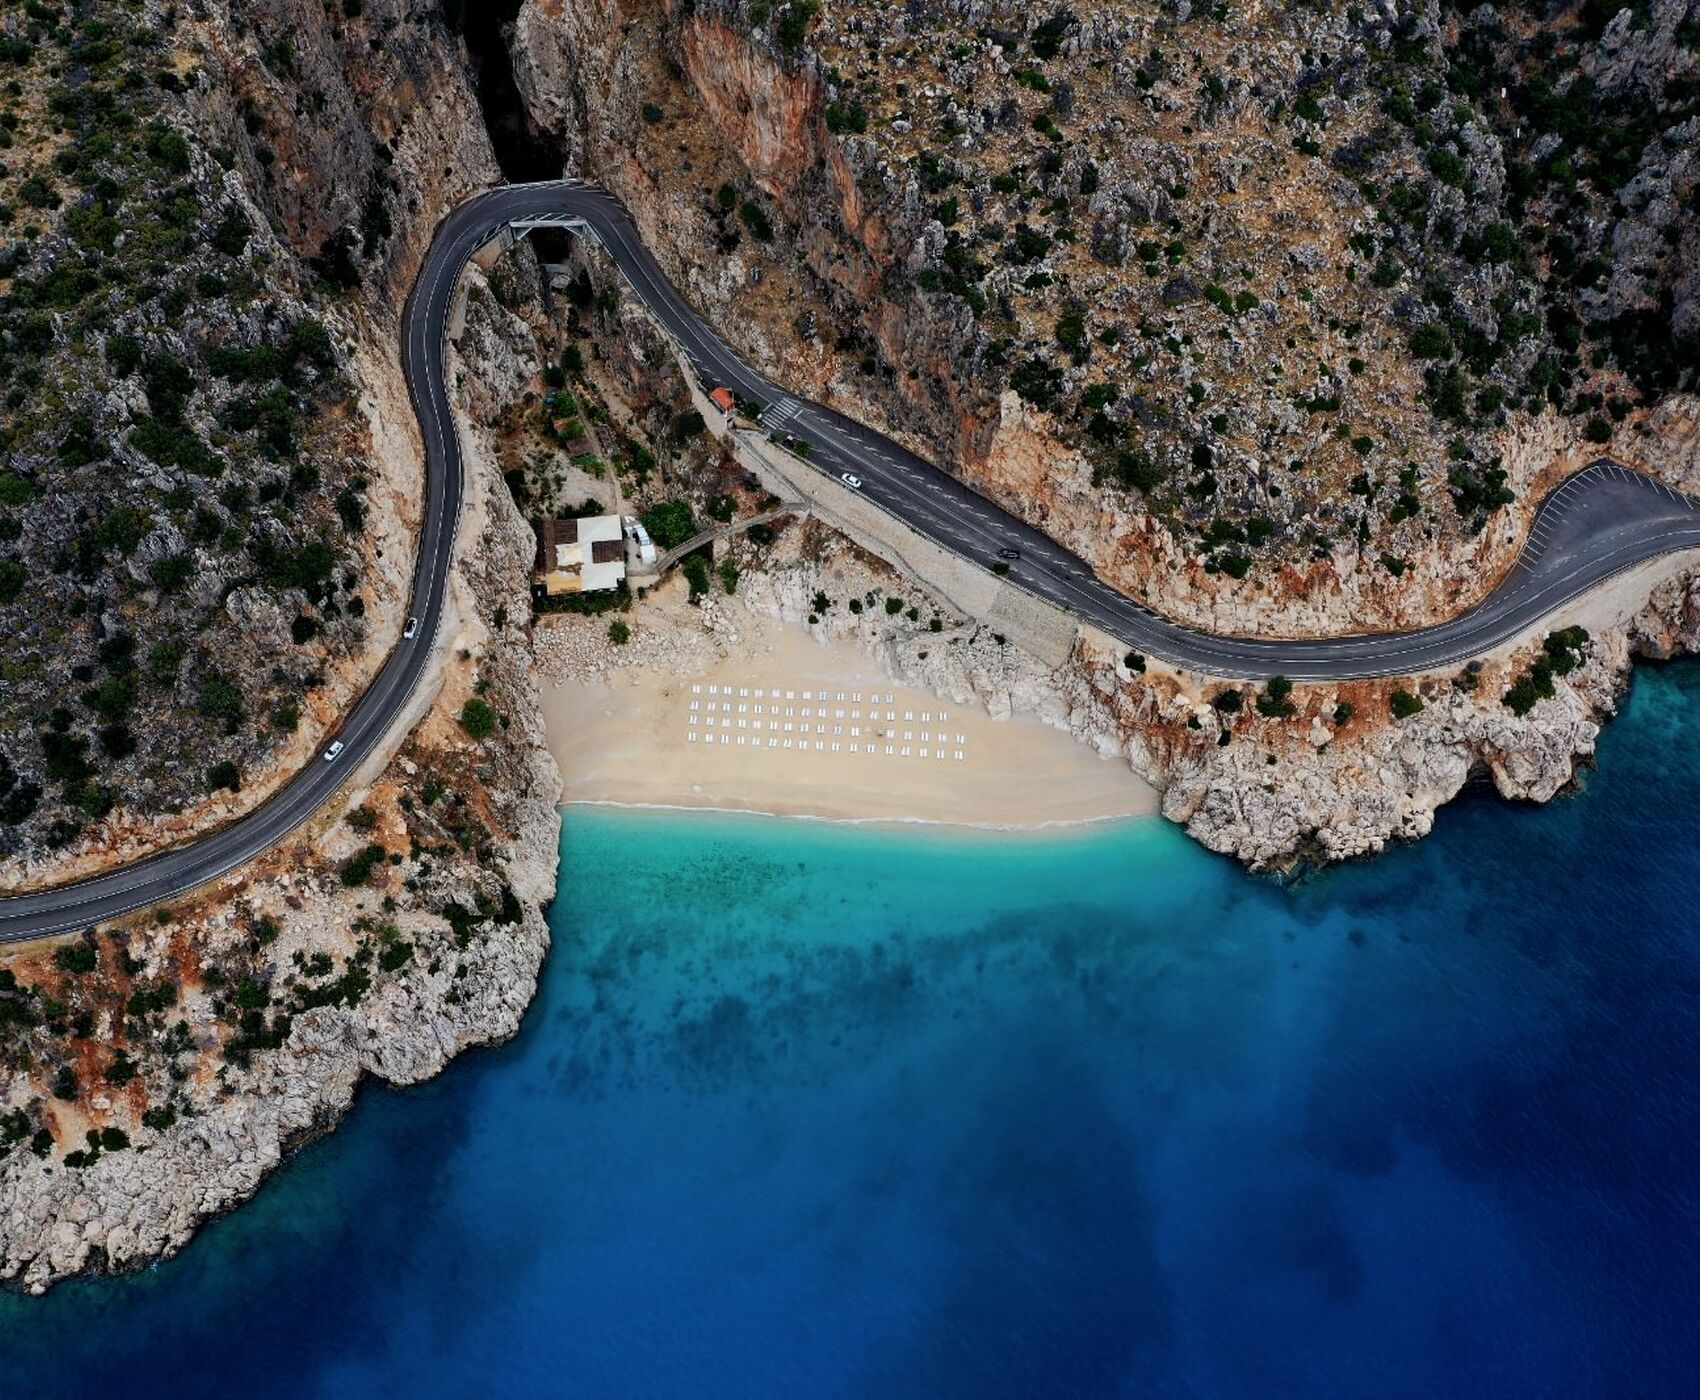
(1274,792)
(1335,779)
(237,1122)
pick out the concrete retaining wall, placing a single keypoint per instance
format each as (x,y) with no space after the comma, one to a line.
(1034,625)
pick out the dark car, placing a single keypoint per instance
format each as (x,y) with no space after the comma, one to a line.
(1009,554)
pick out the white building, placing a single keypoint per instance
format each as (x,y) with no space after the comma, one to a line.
(587,555)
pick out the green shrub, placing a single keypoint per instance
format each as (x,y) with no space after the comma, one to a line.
(619,633)
(1028,245)
(224,775)
(477,718)
(669,523)
(396,955)
(76,958)
(1564,648)
(1447,166)
(1561,653)
(755,219)
(1525,693)
(172,571)
(164,661)
(251,993)
(1071,331)
(1403,704)
(1274,702)
(842,117)
(1431,342)
(220,699)
(1047,37)
(794,23)
(360,867)
(14,489)
(1037,382)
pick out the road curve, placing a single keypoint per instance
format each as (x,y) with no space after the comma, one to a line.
(1600,522)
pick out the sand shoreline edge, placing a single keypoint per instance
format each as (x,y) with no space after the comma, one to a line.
(765,717)
(1058,825)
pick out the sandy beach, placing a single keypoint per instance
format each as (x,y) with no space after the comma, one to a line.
(787,725)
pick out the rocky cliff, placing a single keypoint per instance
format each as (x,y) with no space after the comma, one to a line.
(1283,320)
(156,1072)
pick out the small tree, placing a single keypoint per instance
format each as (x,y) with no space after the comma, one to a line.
(1274,702)
(669,523)
(477,718)
(76,958)
(359,868)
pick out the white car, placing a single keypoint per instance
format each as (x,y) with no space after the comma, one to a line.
(853,482)
(333,751)
(411,630)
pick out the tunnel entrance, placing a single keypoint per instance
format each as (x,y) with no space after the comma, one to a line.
(522,153)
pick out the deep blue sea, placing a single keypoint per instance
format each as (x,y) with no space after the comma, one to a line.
(810,1110)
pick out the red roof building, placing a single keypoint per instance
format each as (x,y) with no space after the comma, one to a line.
(722,399)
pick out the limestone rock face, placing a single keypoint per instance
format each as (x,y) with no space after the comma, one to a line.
(399,115)
(236,1125)
(767,114)
(880,146)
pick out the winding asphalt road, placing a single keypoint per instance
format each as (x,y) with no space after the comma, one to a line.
(1600,522)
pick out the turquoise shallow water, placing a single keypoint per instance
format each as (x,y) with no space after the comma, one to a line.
(830,1111)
